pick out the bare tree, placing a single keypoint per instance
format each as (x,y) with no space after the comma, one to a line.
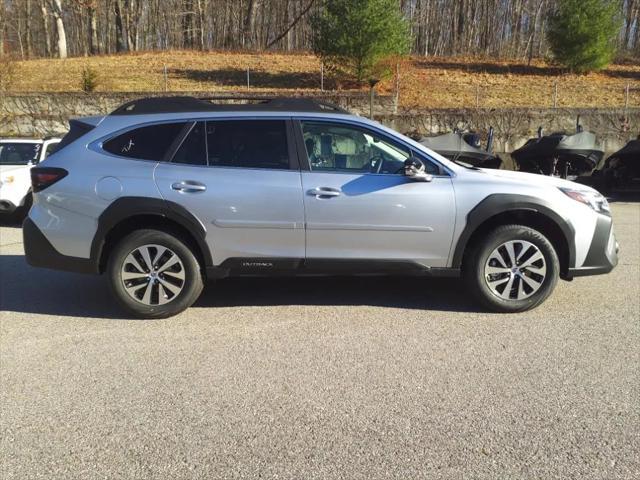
(122,36)
(94,46)
(249,23)
(44,9)
(508,28)
(56,9)
(3,16)
(291,25)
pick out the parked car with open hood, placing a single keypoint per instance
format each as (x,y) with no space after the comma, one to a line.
(620,172)
(459,147)
(559,154)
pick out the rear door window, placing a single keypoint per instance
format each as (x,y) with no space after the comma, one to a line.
(145,143)
(247,144)
(193,150)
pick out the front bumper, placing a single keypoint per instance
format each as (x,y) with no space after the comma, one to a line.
(603,252)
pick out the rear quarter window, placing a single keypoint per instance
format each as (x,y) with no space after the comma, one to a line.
(145,143)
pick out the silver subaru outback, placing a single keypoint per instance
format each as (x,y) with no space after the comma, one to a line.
(164,193)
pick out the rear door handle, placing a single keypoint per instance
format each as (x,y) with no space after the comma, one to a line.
(189,186)
(324,192)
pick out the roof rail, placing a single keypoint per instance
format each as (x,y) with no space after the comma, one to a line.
(185,104)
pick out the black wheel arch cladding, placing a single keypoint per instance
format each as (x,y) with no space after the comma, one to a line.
(497,204)
(125,208)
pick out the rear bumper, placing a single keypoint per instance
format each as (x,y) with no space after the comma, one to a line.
(603,252)
(39,252)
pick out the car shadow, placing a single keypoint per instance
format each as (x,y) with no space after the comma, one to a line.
(25,289)
(421,293)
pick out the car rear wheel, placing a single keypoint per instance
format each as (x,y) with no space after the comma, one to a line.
(513,269)
(154,274)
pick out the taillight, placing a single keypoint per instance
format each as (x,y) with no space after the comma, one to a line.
(43,177)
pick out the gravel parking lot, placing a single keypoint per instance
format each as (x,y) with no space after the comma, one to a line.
(320,378)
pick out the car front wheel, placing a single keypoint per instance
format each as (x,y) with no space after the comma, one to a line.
(513,269)
(154,274)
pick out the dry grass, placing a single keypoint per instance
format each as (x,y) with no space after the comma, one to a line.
(7,72)
(468,82)
(425,83)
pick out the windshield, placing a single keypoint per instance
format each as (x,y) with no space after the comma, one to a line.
(19,153)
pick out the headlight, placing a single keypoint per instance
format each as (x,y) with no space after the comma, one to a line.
(8,179)
(590,198)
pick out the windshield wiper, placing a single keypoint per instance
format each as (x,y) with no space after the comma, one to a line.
(465,165)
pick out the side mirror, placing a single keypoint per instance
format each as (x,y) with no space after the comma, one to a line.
(415,170)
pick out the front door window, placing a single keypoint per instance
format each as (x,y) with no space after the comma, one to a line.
(344,148)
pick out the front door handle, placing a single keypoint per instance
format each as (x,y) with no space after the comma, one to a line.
(189,186)
(324,192)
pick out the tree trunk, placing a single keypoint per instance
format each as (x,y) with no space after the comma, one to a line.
(134,11)
(629,21)
(28,29)
(45,27)
(201,27)
(56,8)
(2,17)
(249,23)
(93,31)
(187,23)
(122,42)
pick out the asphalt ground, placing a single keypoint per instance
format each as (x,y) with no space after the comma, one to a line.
(320,378)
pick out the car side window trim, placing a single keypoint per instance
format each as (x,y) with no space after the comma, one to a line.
(294,160)
(294,163)
(98,145)
(301,149)
(177,143)
(190,122)
(304,158)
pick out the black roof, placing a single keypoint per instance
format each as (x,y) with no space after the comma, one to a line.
(254,104)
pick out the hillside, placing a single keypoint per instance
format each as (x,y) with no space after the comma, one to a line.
(424,82)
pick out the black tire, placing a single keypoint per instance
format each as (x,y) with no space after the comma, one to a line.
(191,286)
(21,212)
(477,280)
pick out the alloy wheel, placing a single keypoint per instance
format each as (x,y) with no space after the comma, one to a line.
(515,270)
(153,275)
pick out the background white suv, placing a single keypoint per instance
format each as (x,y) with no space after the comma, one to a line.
(17,156)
